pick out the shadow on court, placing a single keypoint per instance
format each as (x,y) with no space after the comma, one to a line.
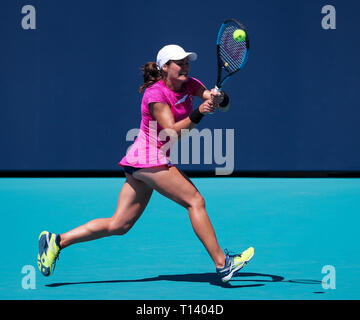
(210,278)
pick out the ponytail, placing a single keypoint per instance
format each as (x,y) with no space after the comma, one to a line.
(151,74)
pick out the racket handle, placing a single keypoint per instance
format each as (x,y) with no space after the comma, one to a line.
(218,90)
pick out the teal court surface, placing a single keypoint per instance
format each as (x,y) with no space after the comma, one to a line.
(297,226)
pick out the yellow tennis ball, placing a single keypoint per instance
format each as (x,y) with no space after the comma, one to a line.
(239,35)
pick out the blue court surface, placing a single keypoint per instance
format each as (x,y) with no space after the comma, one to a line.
(297,227)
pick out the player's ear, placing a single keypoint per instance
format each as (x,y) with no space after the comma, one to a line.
(165,68)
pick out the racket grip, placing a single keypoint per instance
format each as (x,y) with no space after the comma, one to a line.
(218,90)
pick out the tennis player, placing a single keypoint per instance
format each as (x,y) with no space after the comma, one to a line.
(168,102)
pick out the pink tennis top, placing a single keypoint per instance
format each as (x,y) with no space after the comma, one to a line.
(151,147)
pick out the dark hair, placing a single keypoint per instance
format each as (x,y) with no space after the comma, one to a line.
(151,74)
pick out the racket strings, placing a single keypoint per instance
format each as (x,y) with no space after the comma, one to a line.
(232,52)
(229,63)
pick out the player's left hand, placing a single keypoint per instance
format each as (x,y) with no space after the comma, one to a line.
(216,97)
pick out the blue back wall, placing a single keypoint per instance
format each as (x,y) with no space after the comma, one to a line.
(69,89)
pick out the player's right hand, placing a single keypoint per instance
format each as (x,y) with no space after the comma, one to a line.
(207,107)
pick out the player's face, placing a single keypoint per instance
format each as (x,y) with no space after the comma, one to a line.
(178,70)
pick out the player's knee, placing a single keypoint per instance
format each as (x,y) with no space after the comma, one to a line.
(197,201)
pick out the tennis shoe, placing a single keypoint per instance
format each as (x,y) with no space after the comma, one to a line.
(49,250)
(233,263)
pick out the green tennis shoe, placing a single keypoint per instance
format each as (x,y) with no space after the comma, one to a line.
(233,263)
(49,250)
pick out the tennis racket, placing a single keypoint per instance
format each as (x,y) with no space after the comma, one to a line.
(231,54)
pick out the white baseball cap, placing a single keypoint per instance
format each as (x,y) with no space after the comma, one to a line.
(173,52)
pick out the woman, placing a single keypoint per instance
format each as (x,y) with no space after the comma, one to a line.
(166,110)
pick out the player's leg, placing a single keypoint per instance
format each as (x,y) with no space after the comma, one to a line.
(171,183)
(133,198)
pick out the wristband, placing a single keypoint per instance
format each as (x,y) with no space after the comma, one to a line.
(225,101)
(196,116)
